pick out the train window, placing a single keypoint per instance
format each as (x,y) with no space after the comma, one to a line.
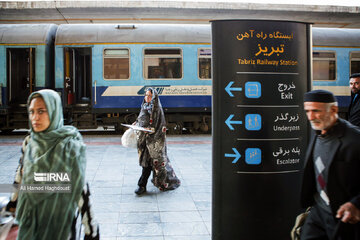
(324,66)
(354,62)
(116,64)
(204,59)
(162,63)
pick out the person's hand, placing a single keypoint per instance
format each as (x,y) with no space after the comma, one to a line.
(10,209)
(348,213)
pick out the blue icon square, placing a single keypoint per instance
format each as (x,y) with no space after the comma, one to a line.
(253,122)
(253,156)
(252,89)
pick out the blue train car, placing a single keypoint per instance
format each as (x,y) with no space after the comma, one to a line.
(336,55)
(26,64)
(102,71)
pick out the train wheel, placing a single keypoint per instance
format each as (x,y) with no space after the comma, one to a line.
(178,128)
(194,129)
(204,127)
(130,118)
(119,129)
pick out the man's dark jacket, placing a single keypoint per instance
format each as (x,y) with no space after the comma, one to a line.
(353,114)
(343,183)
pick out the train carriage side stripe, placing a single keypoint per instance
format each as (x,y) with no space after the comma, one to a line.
(22,44)
(115,43)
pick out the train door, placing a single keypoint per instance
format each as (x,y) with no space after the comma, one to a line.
(20,75)
(78,79)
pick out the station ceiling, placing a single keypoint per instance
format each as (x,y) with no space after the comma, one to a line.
(136,11)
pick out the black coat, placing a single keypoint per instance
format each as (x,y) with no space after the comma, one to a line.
(343,183)
(151,147)
(353,115)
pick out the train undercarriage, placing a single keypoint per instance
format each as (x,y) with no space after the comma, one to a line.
(176,123)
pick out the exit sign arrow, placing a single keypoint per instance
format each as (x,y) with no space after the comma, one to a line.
(229,122)
(228,89)
(236,156)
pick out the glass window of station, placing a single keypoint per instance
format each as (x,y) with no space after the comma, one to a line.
(324,66)
(116,64)
(204,62)
(354,62)
(163,63)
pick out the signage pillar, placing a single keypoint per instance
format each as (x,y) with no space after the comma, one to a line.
(261,70)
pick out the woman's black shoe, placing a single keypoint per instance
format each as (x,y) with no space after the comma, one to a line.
(140,190)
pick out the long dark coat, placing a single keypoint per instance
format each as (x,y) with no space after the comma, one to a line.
(343,183)
(353,115)
(151,147)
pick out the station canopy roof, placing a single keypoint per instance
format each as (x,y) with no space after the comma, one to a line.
(178,11)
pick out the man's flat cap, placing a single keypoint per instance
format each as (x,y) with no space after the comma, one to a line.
(319,96)
(355,75)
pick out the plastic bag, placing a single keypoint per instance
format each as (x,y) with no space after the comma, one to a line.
(128,139)
(299,222)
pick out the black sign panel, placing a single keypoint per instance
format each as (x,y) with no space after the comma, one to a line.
(260,74)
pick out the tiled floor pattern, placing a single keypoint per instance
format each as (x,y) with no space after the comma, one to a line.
(113,172)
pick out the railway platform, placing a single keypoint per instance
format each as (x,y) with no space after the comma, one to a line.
(113,171)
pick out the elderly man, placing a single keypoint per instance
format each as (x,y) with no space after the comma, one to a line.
(331,181)
(354,107)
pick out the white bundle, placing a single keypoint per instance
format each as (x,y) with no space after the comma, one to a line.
(128,139)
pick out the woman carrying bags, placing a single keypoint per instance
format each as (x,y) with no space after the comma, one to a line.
(151,146)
